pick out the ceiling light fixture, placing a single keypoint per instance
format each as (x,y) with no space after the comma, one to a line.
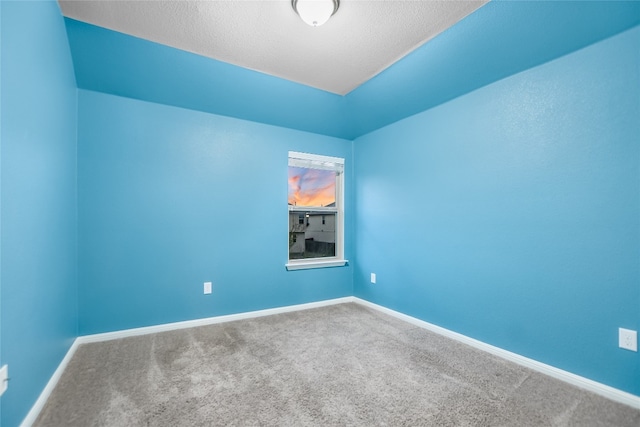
(315,12)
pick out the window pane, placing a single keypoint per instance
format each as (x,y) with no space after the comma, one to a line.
(315,237)
(312,187)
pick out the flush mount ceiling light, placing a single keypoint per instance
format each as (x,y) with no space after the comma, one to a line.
(315,12)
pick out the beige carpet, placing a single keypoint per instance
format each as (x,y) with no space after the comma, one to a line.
(343,365)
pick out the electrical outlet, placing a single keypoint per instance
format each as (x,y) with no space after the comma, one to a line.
(628,339)
(373,277)
(4,379)
(207,288)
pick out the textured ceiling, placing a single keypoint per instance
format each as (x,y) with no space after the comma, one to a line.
(362,39)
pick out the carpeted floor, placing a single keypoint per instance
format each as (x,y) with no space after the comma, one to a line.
(342,365)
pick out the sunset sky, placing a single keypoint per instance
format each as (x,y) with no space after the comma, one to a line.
(311,187)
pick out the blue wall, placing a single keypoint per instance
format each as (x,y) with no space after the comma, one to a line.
(512,214)
(0,198)
(500,39)
(169,198)
(112,62)
(39,277)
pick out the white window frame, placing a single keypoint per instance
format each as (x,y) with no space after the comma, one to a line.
(316,161)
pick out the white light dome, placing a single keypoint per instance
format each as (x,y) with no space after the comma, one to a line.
(315,12)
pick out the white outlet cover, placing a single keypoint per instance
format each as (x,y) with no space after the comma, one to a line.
(628,339)
(207,287)
(373,277)
(4,379)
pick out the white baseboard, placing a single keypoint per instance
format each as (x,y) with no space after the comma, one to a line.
(573,379)
(46,392)
(208,321)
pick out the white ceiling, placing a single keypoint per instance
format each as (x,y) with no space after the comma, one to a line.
(362,39)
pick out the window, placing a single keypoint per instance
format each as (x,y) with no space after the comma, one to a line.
(315,202)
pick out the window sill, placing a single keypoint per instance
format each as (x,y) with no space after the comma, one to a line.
(304,265)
